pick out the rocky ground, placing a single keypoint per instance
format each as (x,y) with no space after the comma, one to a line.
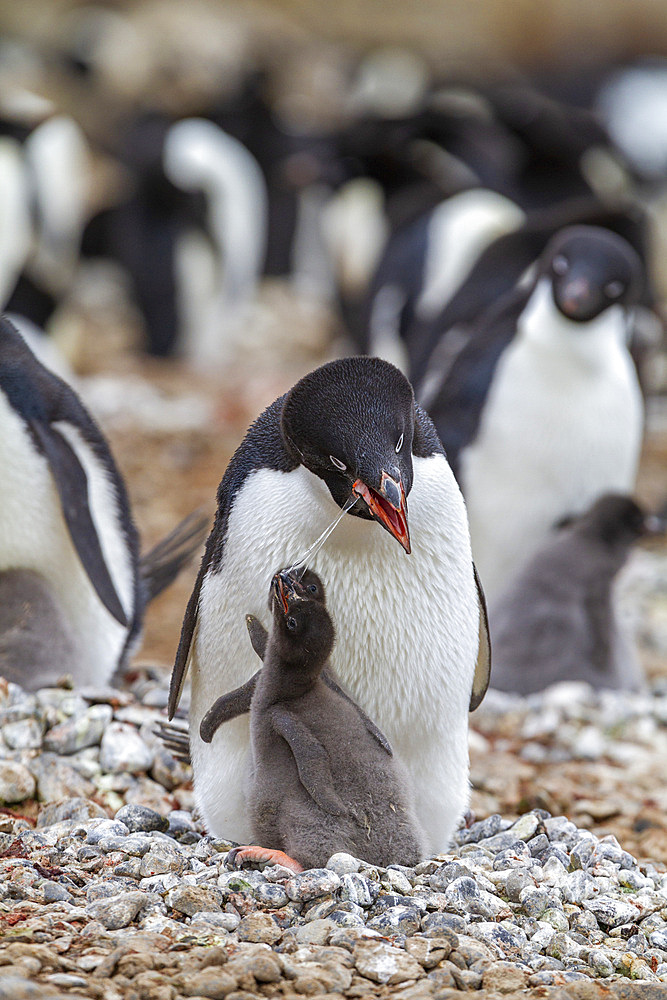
(109,886)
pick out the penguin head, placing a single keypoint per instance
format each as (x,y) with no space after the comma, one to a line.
(591,269)
(351,423)
(618,521)
(302,628)
(300,583)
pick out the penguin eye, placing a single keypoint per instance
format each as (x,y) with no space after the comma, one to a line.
(312,587)
(559,264)
(614,289)
(291,624)
(399,444)
(336,462)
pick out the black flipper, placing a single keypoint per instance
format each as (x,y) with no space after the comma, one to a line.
(258,635)
(311,759)
(161,565)
(376,733)
(480,681)
(228,706)
(175,739)
(72,484)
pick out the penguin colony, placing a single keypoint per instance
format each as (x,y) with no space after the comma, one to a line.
(500,321)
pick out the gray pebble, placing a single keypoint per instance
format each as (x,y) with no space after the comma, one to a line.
(16,782)
(70,809)
(123,749)
(140,818)
(26,734)
(79,731)
(312,883)
(359,889)
(270,895)
(343,864)
(54,892)
(117,911)
(99,829)
(396,920)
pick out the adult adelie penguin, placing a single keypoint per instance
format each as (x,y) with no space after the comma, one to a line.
(541,412)
(65,518)
(413,649)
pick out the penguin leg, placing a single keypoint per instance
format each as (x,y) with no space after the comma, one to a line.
(228,706)
(238,856)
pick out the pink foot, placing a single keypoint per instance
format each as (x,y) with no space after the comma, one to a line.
(251,853)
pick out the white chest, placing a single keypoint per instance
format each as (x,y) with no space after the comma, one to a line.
(406,625)
(561,425)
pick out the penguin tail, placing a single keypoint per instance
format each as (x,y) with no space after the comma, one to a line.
(175,739)
(160,566)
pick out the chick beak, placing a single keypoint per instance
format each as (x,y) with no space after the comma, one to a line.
(388,506)
(283,590)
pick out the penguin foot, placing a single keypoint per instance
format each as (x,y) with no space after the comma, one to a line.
(238,856)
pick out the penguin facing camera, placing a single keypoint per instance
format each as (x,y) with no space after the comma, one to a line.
(541,411)
(558,621)
(321,782)
(65,516)
(413,647)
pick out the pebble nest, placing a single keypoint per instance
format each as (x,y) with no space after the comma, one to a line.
(110,888)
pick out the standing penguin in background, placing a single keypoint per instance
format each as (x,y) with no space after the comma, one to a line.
(542,411)
(557,620)
(65,516)
(321,781)
(413,649)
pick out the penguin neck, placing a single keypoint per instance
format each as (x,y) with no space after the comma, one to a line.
(592,344)
(284,681)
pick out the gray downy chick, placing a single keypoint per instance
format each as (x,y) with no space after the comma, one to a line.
(557,620)
(322,780)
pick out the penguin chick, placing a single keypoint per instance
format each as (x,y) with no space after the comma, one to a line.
(238,702)
(320,782)
(542,411)
(349,430)
(557,621)
(35,637)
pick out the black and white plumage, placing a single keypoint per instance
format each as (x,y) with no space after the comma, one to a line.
(409,626)
(541,411)
(65,515)
(321,781)
(558,621)
(44,175)
(192,233)
(425,263)
(508,261)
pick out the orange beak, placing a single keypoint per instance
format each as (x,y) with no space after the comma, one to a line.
(392,515)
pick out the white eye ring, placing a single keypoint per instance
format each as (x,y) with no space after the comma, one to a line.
(336,462)
(614,289)
(399,444)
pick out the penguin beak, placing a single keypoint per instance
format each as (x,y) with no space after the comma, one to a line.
(388,506)
(577,300)
(283,589)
